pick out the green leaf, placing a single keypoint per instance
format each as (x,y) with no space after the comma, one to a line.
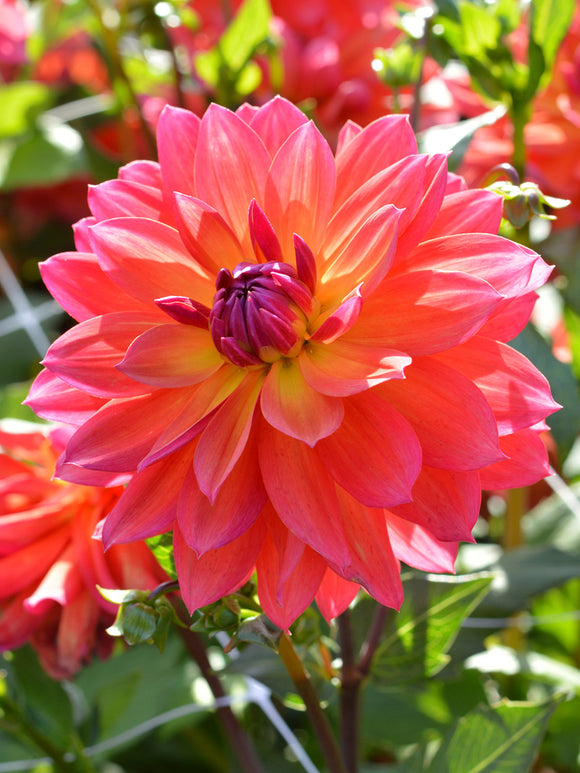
(20,103)
(162,548)
(550,20)
(565,423)
(417,639)
(505,660)
(503,739)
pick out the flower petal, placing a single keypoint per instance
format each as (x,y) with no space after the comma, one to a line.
(275,121)
(177,137)
(344,368)
(527,462)
(123,198)
(450,416)
(291,405)
(225,437)
(55,400)
(416,547)
(148,260)
(300,188)
(86,355)
(469,211)
(376,433)
(218,572)
(171,355)
(302,493)
(334,595)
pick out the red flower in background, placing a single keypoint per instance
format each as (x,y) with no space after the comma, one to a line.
(14,32)
(300,357)
(49,563)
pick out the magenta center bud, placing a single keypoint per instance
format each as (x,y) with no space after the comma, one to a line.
(260,313)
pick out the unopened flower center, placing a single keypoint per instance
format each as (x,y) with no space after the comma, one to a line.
(260,313)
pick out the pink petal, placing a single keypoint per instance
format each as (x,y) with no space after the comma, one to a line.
(86,355)
(218,572)
(61,583)
(341,320)
(445,503)
(55,400)
(225,437)
(82,288)
(143,172)
(372,563)
(148,260)
(424,312)
(348,132)
(122,432)
(300,188)
(527,462)
(206,235)
(470,211)
(283,603)
(334,595)
(25,567)
(450,416)
(302,493)
(365,259)
(230,168)
(171,355)
(237,506)
(149,504)
(379,145)
(344,368)
(177,137)
(295,408)
(385,444)
(275,121)
(123,198)
(417,548)
(519,395)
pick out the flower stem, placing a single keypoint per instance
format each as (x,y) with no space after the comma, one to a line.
(240,741)
(349,694)
(373,639)
(320,723)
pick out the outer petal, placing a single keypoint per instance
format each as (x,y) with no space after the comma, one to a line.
(470,211)
(416,547)
(519,395)
(527,462)
(302,493)
(377,146)
(148,260)
(86,355)
(171,355)
(143,172)
(446,504)
(344,368)
(21,569)
(237,506)
(120,198)
(218,572)
(82,288)
(334,595)
(55,400)
(451,417)
(62,583)
(122,432)
(424,312)
(149,504)
(177,136)
(300,188)
(230,168)
(275,121)
(206,235)
(295,408)
(385,446)
(284,602)
(225,437)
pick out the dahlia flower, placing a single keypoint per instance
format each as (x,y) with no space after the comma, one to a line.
(49,562)
(299,357)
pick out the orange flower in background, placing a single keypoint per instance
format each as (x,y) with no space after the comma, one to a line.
(50,564)
(298,356)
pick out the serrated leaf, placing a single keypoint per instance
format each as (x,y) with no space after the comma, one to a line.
(503,739)
(416,641)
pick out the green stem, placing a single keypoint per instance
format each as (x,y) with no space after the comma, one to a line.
(349,694)
(320,723)
(519,116)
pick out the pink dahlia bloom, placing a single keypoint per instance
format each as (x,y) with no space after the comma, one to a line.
(300,357)
(49,562)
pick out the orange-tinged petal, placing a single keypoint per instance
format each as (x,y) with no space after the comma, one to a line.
(177,137)
(55,400)
(345,368)
(291,405)
(470,211)
(300,189)
(302,493)
(416,547)
(275,121)
(376,433)
(225,437)
(148,260)
(23,567)
(171,355)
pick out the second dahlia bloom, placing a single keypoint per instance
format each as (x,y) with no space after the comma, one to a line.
(300,357)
